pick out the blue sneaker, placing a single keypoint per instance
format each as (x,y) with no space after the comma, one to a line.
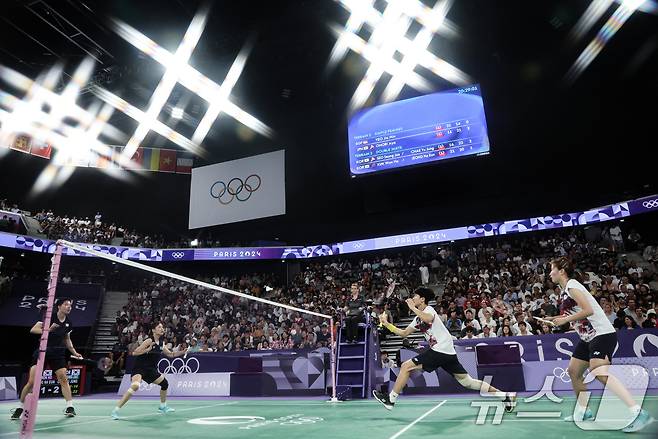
(587,416)
(166,409)
(643,419)
(115,414)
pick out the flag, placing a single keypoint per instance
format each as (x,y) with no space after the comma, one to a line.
(22,143)
(41,150)
(151,159)
(184,164)
(167,160)
(147,158)
(138,158)
(256,188)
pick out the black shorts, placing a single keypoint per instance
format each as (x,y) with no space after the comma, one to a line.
(601,346)
(54,360)
(432,360)
(148,375)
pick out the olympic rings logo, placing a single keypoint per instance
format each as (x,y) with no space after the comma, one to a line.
(177,255)
(178,366)
(563,374)
(222,191)
(650,204)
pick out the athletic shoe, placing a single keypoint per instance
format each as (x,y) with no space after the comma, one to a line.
(166,409)
(69,412)
(510,403)
(115,414)
(643,419)
(383,398)
(16,414)
(587,416)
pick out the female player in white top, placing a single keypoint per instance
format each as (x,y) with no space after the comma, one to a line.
(441,352)
(598,343)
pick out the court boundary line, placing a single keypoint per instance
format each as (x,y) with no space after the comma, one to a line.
(399,433)
(109,419)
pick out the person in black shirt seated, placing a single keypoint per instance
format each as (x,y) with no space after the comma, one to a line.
(146,369)
(353,314)
(59,341)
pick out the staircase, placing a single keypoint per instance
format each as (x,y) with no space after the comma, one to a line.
(104,340)
(352,367)
(393,343)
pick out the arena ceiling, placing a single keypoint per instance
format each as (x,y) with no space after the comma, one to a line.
(555,144)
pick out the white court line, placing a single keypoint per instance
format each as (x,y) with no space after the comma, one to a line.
(418,419)
(77,416)
(109,419)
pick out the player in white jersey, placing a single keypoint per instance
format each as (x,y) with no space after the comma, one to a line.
(441,352)
(598,341)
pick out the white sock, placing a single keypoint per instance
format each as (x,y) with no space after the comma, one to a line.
(393,397)
(580,409)
(117,408)
(22,405)
(69,403)
(163,405)
(636,409)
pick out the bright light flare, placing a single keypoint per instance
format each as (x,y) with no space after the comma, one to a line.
(177,113)
(388,37)
(592,15)
(42,114)
(178,70)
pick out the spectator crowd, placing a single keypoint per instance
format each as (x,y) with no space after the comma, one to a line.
(493,288)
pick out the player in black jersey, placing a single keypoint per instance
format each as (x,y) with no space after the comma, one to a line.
(59,341)
(146,369)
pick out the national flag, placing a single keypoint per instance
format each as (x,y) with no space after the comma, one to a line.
(184,164)
(138,158)
(167,160)
(147,158)
(151,159)
(22,143)
(41,150)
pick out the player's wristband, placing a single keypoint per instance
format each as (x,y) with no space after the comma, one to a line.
(390,326)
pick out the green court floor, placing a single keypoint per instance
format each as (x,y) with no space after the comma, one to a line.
(411,417)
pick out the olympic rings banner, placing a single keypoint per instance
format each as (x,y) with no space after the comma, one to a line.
(238,190)
(273,373)
(592,216)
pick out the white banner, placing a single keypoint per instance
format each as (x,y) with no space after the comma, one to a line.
(239,190)
(186,384)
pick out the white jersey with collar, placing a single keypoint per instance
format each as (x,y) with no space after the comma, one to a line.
(594,325)
(435,333)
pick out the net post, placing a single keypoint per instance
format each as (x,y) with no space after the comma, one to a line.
(32,399)
(333,363)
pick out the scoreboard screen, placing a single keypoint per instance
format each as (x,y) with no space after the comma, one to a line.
(50,386)
(431,128)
